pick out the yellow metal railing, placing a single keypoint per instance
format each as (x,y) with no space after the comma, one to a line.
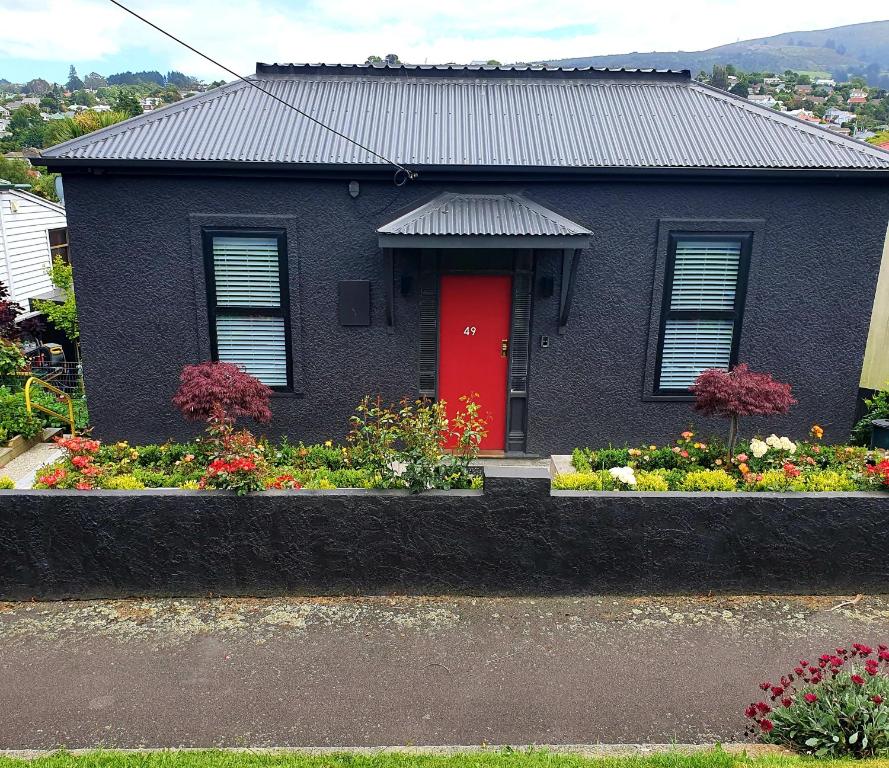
(65,397)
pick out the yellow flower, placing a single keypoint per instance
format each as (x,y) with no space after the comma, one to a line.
(699,445)
(634,452)
(652,447)
(122,444)
(816,432)
(743,469)
(328,443)
(688,435)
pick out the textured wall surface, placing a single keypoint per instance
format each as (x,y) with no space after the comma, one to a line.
(513,538)
(142,296)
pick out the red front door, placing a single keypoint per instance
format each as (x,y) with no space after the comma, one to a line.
(473,328)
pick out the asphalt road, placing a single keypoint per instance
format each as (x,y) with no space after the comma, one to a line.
(403,671)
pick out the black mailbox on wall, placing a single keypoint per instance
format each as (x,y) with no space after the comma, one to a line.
(354,302)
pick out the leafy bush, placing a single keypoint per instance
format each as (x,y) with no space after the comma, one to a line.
(739,392)
(827,480)
(49,400)
(6,483)
(12,362)
(122,483)
(62,315)
(877,408)
(656,480)
(583,481)
(774,480)
(14,417)
(580,461)
(835,707)
(221,393)
(709,480)
(605,458)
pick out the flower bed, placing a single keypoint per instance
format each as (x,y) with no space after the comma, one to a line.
(776,464)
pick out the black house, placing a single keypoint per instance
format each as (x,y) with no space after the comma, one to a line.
(576,246)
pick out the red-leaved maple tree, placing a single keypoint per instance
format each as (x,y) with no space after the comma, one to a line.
(739,392)
(221,392)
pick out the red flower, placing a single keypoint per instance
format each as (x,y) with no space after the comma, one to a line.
(787,701)
(765,686)
(811,698)
(83,486)
(876,698)
(858,679)
(872,666)
(763,707)
(799,671)
(81,461)
(750,711)
(790,470)
(836,661)
(766,724)
(862,650)
(777,691)
(884,654)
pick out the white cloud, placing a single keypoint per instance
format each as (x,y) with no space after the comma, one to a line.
(241,33)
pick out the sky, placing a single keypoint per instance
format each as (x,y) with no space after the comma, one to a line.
(42,38)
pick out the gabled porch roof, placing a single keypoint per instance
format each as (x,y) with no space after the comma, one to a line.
(453,220)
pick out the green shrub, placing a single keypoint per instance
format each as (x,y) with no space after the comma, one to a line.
(655,480)
(346,478)
(584,481)
(6,483)
(709,480)
(14,418)
(606,458)
(774,480)
(580,461)
(826,480)
(151,478)
(322,456)
(122,483)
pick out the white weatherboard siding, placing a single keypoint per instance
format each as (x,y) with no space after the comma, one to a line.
(25,220)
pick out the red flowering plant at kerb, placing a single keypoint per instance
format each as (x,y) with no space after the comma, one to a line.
(739,392)
(79,471)
(879,472)
(834,706)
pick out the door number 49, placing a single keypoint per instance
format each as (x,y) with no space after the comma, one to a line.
(469,330)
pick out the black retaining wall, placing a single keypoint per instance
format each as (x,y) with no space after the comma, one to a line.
(513,538)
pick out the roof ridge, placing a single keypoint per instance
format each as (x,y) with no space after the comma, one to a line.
(793,122)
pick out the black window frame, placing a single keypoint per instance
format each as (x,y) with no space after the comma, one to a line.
(736,314)
(58,249)
(283,310)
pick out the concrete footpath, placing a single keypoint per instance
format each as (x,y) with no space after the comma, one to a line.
(403,671)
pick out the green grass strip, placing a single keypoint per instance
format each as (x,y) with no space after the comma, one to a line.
(483,759)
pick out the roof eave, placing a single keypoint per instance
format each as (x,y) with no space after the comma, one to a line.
(449,172)
(476,242)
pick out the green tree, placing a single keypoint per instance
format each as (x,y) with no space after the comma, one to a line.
(38,86)
(84,98)
(739,89)
(127,101)
(74,82)
(21,172)
(26,127)
(94,81)
(50,103)
(63,316)
(719,79)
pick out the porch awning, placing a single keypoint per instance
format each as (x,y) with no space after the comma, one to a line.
(453,220)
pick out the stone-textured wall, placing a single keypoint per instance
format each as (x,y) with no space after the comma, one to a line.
(515,537)
(142,298)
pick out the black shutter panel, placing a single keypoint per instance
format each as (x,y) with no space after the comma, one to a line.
(519,342)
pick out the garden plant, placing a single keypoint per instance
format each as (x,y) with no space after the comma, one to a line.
(834,706)
(693,463)
(415,445)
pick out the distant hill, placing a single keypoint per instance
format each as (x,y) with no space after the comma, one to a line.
(856,49)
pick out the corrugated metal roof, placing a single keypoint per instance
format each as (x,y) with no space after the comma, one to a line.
(457,214)
(531,117)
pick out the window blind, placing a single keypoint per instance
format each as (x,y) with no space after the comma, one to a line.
(249,305)
(701,309)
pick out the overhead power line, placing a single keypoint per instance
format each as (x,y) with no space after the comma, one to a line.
(408,174)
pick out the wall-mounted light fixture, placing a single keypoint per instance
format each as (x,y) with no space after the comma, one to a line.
(354,189)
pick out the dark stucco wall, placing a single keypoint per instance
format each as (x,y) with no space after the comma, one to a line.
(141,294)
(513,538)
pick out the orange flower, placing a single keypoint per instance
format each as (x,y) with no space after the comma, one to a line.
(816,432)
(688,435)
(743,469)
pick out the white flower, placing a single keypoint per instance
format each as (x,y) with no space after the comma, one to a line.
(773,440)
(624,474)
(788,445)
(758,448)
(398,468)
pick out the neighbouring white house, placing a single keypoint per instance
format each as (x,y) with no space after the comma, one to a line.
(764,100)
(32,231)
